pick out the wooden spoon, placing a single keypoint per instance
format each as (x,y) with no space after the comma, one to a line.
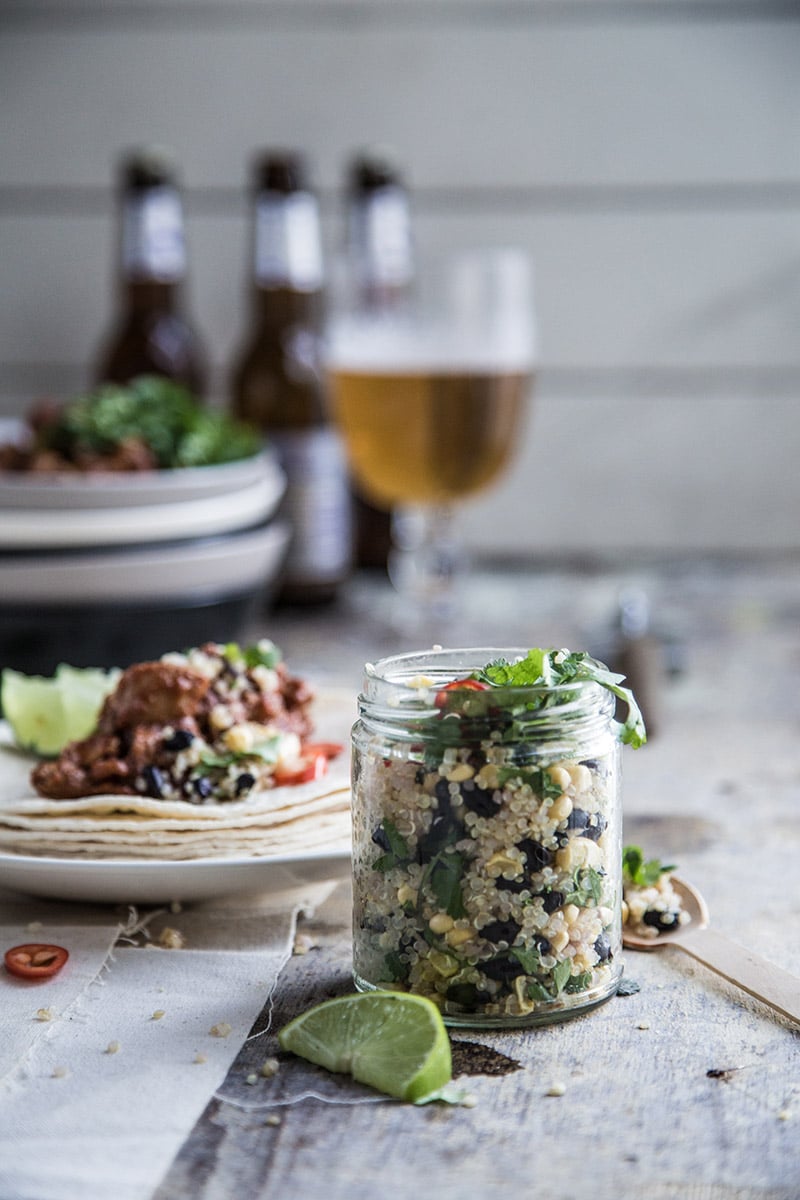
(753,974)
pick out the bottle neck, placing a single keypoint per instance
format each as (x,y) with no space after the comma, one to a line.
(282,307)
(288,246)
(153,251)
(380,244)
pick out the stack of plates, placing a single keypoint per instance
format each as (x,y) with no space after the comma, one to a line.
(105,570)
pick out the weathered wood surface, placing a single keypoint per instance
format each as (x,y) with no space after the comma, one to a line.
(687,1088)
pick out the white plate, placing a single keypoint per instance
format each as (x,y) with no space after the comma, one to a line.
(235,562)
(121,489)
(145,523)
(132,881)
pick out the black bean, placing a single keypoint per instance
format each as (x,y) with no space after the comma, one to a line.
(541,943)
(244,783)
(203,787)
(602,947)
(501,931)
(154,781)
(552,900)
(578,819)
(512,885)
(380,838)
(181,739)
(664,922)
(502,968)
(442,794)
(477,799)
(467,996)
(596,827)
(537,856)
(443,831)
(591,763)
(419,775)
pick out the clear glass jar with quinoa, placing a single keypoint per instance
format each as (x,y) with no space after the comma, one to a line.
(487,832)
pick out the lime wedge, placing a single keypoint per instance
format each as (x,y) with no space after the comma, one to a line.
(395,1042)
(47,713)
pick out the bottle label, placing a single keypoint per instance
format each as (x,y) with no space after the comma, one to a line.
(152,235)
(317,504)
(381,235)
(288,243)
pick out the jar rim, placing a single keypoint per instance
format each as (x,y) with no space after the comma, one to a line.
(410,677)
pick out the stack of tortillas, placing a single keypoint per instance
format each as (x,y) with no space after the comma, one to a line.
(290,820)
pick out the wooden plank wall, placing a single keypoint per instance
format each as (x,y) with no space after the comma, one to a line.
(647,152)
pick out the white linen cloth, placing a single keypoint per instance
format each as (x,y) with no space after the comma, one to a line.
(97,1101)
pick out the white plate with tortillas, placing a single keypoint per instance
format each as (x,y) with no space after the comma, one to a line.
(119,849)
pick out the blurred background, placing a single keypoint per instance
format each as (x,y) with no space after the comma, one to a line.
(645,152)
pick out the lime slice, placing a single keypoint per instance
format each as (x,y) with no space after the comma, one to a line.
(47,713)
(395,1042)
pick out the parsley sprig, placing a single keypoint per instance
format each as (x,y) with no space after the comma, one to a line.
(640,871)
(554,668)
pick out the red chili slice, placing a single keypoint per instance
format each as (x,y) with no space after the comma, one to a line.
(329,749)
(35,960)
(456,685)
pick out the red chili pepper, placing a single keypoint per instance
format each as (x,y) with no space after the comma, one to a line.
(35,960)
(456,685)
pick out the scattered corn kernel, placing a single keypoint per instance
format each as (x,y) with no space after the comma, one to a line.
(459,773)
(222,1029)
(441,923)
(171,939)
(270,1067)
(200,1058)
(556,1089)
(273,1120)
(457,937)
(112,1048)
(44,1014)
(560,776)
(252,1078)
(158,1014)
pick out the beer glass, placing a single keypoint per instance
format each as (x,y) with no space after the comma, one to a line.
(430,398)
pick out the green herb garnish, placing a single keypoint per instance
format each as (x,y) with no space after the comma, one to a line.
(553,668)
(263,654)
(162,415)
(641,872)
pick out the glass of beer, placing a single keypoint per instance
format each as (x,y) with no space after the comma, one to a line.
(430,398)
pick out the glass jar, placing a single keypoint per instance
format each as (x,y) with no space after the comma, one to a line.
(486,841)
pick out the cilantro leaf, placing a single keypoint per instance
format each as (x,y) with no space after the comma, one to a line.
(445,880)
(561,973)
(550,668)
(642,873)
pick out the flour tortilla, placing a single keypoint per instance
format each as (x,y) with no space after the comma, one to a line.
(279,820)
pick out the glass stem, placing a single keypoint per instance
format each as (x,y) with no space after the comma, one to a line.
(427,562)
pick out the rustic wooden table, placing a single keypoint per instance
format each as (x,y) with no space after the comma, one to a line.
(686,1088)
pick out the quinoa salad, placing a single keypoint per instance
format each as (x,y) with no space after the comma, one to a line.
(487,869)
(207,726)
(650,904)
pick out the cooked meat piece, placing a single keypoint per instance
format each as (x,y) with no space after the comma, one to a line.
(130,744)
(154,693)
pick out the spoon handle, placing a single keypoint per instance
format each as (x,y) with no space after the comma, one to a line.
(753,974)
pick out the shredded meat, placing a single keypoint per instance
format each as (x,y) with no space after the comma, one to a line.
(149,699)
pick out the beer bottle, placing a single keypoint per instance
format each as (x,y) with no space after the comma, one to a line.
(278,380)
(152,334)
(380,261)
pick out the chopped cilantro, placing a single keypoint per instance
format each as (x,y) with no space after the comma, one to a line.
(642,873)
(266,751)
(587,888)
(552,668)
(263,654)
(445,880)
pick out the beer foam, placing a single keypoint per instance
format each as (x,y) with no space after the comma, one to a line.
(384,348)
